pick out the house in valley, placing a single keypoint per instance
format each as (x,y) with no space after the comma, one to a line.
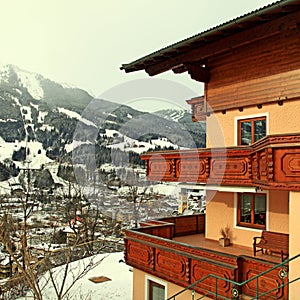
(250,68)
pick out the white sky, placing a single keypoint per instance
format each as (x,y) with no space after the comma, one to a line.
(84,43)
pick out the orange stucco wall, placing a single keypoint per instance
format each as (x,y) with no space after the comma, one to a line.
(279,211)
(222,128)
(221,211)
(139,291)
(138,285)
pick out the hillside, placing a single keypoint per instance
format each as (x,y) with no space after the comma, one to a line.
(46,127)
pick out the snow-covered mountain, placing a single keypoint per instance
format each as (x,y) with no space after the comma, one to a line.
(45,126)
(173,114)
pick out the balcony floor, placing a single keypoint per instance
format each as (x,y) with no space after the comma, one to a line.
(199,240)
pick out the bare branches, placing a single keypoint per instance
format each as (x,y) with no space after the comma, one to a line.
(24,268)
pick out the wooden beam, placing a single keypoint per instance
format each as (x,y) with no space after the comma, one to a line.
(197,72)
(179,69)
(224,44)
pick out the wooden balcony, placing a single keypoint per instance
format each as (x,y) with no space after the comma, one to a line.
(271,163)
(161,248)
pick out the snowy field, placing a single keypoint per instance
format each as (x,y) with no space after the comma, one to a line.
(110,265)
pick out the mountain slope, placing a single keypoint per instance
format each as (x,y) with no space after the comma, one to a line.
(197,130)
(35,86)
(44,125)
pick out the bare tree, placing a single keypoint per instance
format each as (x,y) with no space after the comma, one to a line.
(137,189)
(37,278)
(23,268)
(61,280)
(84,221)
(27,271)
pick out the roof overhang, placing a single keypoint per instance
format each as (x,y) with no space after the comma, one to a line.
(191,54)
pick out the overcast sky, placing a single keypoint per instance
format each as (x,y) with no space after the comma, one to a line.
(84,42)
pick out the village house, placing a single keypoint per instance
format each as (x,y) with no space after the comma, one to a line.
(250,67)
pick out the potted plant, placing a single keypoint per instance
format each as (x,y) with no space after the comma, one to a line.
(224,241)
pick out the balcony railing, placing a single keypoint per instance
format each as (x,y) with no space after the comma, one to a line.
(151,248)
(273,163)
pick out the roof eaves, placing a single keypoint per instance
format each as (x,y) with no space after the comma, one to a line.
(140,63)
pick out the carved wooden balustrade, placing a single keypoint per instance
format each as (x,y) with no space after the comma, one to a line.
(151,249)
(273,163)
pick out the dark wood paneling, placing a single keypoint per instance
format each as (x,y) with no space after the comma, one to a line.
(255,75)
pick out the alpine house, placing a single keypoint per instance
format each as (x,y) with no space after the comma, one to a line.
(250,67)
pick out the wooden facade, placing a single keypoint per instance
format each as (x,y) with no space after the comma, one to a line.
(269,72)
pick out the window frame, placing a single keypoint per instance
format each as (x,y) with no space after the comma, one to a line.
(151,284)
(251,224)
(250,120)
(148,282)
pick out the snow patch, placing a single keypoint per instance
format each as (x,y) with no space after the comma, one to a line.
(8,120)
(46,127)
(41,116)
(4,73)
(75,115)
(139,147)
(36,157)
(111,122)
(67,85)
(111,132)
(75,144)
(113,115)
(35,106)
(18,91)
(26,113)
(16,100)
(31,81)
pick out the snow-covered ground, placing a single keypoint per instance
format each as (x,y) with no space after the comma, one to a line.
(130,144)
(111,266)
(37,155)
(75,115)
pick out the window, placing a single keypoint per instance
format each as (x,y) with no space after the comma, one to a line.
(251,130)
(252,210)
(156,291)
